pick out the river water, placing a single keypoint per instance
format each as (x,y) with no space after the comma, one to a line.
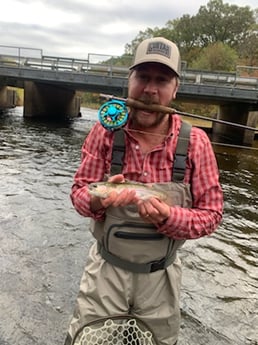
(44,242)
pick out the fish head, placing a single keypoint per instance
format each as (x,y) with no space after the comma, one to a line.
(98,189)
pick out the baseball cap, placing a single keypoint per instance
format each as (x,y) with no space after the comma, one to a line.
(158,49)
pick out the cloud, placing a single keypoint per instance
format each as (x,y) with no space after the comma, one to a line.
(77,28)
(36,13)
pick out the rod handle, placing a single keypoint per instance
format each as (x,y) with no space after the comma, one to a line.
(151,107)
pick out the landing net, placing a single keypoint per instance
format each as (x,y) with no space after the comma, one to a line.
(115,331)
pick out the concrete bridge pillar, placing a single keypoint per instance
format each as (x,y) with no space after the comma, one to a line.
(237,113)
(45,100)
(7,98)
(252,121)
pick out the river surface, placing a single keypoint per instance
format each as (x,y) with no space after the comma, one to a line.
(44,242)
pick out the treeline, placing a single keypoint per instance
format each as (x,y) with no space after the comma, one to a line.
(219,37)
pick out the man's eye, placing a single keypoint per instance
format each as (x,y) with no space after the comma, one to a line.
(163,79)
(143,77)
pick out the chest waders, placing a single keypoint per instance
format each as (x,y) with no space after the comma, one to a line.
(124,238)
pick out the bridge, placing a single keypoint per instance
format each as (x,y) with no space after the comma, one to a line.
(50,84)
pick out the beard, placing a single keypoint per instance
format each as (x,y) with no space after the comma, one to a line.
(141,119)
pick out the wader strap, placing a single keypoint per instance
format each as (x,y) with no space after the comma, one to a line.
(181,152)
(118,152)
(180,155)
(149,267)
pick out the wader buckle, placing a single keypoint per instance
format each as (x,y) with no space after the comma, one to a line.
(157,265)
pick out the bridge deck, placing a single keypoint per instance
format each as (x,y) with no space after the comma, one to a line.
(99,73)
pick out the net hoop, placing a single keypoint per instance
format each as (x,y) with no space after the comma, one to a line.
(115,330)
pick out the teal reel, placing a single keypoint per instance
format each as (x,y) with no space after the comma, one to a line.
(113,114)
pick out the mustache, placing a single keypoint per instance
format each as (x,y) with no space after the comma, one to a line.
(148,100)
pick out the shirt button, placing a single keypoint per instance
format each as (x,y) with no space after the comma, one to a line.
(145,173)
(137,147)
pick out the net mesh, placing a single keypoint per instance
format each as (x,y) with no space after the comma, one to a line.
(115,332)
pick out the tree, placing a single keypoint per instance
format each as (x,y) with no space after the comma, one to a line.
(142,35)
(224,23)
(216,57)
(248,48)
(234,26)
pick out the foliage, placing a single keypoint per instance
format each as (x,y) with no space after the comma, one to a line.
(217,56)
(148,33)
(219,37)
(90,99)
(225,23)
(229,25)
(248,49)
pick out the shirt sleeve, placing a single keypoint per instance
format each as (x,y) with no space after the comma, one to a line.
(93,167)
(203,175)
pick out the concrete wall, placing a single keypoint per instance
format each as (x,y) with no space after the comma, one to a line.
(252,121)
(45,100)
(7,98)
(237,113)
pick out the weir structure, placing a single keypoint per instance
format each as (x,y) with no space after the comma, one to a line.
(51,83)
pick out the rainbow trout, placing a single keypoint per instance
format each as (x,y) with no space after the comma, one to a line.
(143,191)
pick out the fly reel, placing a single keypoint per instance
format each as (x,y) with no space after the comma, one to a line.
(113,114)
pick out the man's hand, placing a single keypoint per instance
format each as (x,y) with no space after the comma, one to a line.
(115,199)
(153,210)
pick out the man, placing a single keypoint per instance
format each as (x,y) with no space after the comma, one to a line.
(133,267)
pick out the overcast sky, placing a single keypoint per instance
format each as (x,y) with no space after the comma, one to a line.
(76,28)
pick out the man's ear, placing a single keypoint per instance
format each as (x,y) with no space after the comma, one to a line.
(175,90)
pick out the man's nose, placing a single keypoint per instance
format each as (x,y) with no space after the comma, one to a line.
(151,87)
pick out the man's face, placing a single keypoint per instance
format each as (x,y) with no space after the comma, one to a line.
(151,83)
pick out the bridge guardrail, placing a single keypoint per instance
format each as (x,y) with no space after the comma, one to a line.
(104,65)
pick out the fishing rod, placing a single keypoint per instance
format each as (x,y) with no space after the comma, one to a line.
(113,114)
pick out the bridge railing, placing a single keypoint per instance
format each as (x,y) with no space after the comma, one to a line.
(105,65)
(16,55)
(225,79)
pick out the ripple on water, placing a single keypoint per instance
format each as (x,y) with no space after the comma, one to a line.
(44,242)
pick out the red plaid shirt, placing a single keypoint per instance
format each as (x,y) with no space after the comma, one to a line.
(156,166)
